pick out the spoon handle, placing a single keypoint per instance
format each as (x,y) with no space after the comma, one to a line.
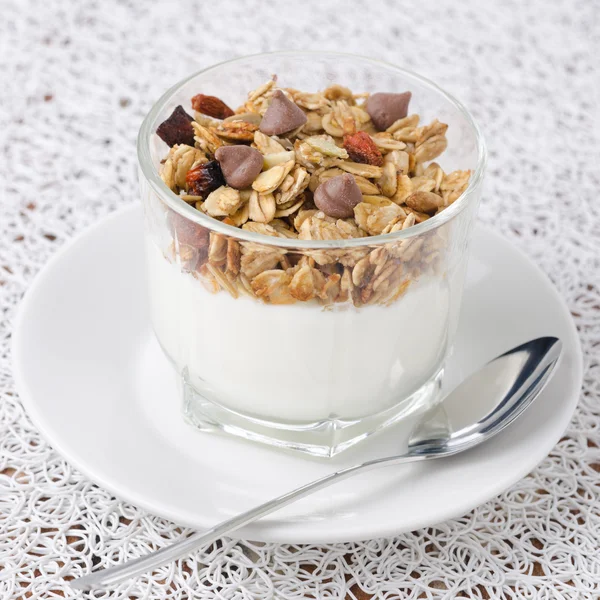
(105,578)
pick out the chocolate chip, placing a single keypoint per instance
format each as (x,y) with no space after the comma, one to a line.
(240,165)
(384,109)
(281,116)
(338,196)
(177,129)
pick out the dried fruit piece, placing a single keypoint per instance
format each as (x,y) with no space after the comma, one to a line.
(384,109)
(204,179)
(179,161)
(188,233)
(281,116)
(338,196)
(211,106)
(240,165)
(362,149)
(177,129)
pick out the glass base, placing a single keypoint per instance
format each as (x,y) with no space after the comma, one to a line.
(324,438)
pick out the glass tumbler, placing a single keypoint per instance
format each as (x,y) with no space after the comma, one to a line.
(310,345)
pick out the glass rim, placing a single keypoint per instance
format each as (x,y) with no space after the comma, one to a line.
(179,205)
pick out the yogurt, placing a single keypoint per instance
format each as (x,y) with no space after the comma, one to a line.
(298,363)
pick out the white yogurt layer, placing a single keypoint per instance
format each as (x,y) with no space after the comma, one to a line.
(298,362)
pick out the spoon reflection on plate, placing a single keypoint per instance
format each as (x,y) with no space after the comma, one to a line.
(503,389)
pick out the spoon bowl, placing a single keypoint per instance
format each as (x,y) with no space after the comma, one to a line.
(502,389)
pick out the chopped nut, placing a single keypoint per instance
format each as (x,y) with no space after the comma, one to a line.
(425,202)
(236,130)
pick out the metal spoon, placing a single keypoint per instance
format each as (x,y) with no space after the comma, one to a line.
(481,406)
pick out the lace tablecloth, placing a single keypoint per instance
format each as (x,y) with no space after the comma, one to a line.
(77,79)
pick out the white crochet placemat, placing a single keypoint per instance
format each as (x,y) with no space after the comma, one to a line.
(76,81)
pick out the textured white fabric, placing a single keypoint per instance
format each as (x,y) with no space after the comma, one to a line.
(76,79)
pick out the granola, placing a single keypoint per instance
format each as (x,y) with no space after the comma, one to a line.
(329,165)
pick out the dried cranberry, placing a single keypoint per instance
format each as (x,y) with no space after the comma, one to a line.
(204,179)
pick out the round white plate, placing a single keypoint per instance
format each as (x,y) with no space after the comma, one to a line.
(92,378)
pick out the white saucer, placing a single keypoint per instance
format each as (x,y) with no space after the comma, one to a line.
(92,378)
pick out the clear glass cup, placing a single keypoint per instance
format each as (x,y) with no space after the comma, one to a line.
(362,340)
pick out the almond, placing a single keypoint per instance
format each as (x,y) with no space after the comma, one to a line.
(211,106)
